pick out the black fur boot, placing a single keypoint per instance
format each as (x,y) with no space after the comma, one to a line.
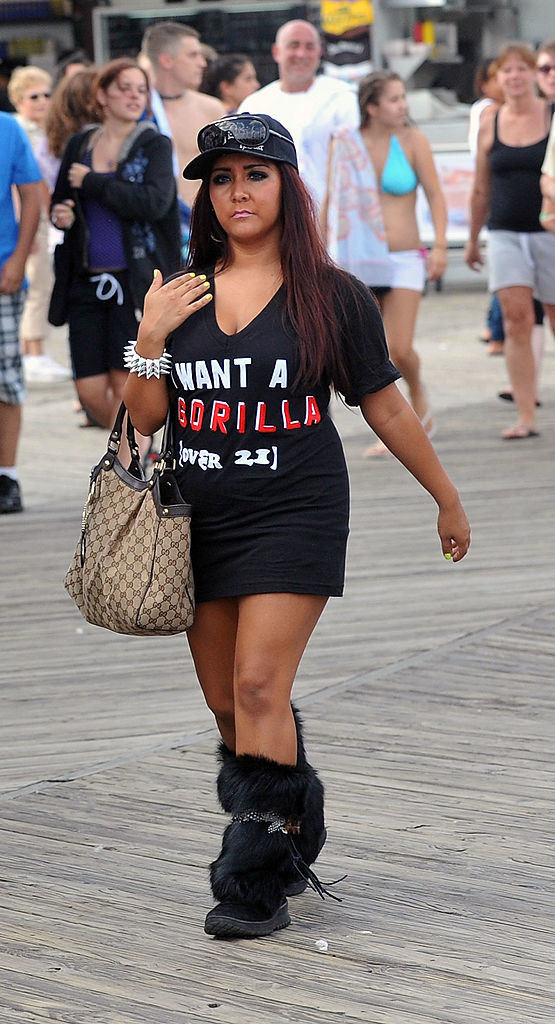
(267,801)
(312,835)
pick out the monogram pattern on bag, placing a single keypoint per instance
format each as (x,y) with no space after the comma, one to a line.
(136,576)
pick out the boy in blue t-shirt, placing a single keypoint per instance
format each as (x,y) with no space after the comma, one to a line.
(18,167)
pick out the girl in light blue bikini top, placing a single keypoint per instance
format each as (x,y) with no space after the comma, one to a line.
(398,177)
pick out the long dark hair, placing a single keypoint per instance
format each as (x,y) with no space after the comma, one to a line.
(370,90)
(313,307)
(110,73)
(72,107)
(224,69)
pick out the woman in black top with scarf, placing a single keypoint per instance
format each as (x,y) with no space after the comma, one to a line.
(115,198)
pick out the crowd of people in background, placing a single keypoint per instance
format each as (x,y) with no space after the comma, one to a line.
(99,153)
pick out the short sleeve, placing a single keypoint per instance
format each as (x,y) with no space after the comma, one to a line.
(25,169)
(346,110)
(365,351)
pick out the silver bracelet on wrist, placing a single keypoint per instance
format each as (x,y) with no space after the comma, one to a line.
(144,367)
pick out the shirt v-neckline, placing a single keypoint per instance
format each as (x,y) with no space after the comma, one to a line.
(238,334)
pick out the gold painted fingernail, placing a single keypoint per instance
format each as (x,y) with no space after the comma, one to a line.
(192,275)
(156,272)
(448,555)
(202,277)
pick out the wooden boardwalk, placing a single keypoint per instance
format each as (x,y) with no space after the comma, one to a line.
(428,700)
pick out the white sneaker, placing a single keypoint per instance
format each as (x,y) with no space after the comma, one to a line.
(44,370)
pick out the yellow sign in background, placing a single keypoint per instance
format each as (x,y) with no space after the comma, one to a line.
(340,16)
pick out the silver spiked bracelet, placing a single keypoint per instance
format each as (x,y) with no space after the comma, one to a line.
(144,367)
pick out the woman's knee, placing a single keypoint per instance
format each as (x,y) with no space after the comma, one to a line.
(221,705)
(518,315)
(406,361)
(256,694)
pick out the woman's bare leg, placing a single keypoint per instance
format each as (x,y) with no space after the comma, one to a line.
(400,310)
(517,307)
(96,395)
(246,653)
(272,635)
(212,639)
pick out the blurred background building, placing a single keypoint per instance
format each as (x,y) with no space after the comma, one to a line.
(434,45)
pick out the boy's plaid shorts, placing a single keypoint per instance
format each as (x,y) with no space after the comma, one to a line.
(12,385)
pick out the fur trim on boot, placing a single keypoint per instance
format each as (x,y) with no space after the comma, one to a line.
(312,836)
(267,801)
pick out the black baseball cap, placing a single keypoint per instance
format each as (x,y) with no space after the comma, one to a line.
(255,134)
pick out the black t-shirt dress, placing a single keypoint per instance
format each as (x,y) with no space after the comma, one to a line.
(261,462)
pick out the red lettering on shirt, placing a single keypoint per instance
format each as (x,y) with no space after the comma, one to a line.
(288,423)
(241,417)
(313,414)
(182,412)
(196,414)
(260,424)
(221,412)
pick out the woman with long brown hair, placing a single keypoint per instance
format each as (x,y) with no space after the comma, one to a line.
(374,172)
(253,337)
(72,107)
(115,200)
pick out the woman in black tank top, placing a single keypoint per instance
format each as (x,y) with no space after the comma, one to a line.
(506,194)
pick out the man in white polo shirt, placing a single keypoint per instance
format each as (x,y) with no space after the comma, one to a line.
(311,106)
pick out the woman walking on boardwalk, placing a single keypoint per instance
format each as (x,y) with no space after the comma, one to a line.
(511,149)
(371,226)
(116,201)
(256,335)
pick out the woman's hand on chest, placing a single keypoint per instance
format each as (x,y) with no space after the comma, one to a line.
(169,305)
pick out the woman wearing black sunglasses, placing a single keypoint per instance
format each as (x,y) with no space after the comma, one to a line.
(259,332)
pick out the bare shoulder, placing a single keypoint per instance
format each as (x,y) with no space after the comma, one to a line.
(487,115)
(189,115)
(486,129)
(207,106)
(417,140)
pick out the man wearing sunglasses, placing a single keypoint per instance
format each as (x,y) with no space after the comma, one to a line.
(311,106)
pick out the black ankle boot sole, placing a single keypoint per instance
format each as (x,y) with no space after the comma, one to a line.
(237,921)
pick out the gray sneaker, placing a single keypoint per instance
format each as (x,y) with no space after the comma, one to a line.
(10,495)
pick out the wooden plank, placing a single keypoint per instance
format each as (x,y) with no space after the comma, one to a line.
(428,701)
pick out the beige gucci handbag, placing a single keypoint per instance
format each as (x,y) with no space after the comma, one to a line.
(131,571)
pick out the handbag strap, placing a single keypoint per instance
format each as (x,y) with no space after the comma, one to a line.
(167,448)
(166,458)
(114,440)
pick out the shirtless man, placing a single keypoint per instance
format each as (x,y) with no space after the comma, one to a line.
(177,62)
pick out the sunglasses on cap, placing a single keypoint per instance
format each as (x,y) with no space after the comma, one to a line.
(544,69)
(248,132)
(39,96)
